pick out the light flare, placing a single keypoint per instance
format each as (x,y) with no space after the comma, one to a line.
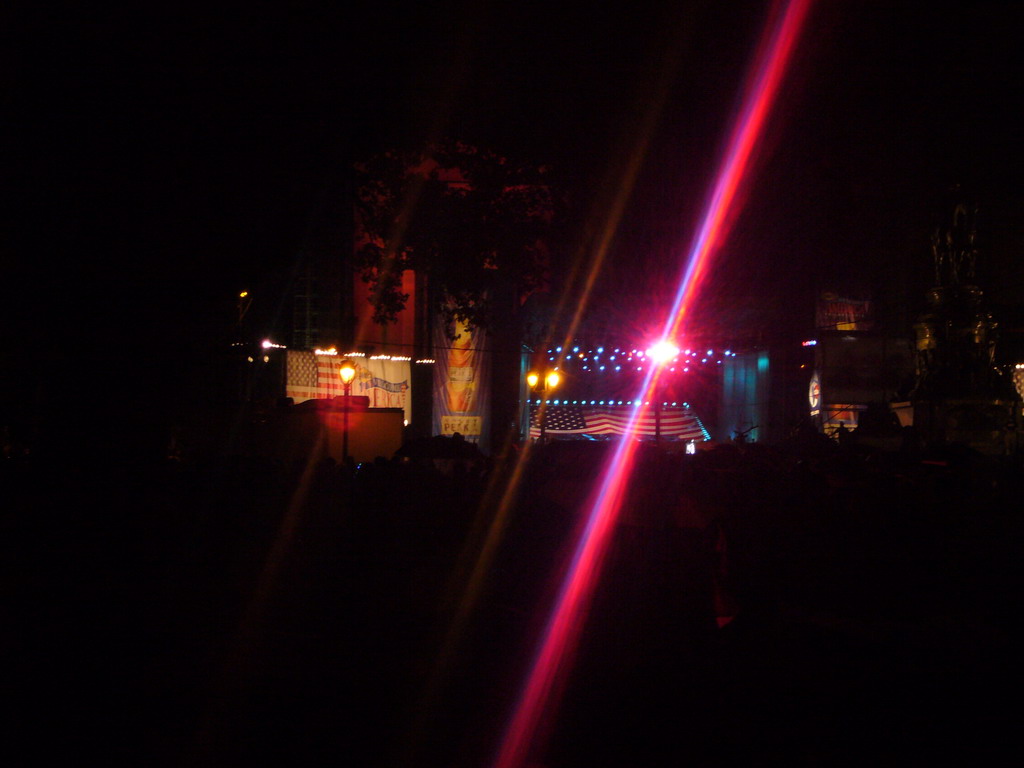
(721,208)
(663,352)
(566,619)
(559,639)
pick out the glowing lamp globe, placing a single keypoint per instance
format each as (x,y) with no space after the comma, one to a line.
(347,372)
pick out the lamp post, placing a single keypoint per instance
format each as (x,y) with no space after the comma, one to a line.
(347,372)
(543,386)
(244,302)
(243,305)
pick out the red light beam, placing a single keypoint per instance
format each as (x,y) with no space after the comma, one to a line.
(762,88)
(561,633)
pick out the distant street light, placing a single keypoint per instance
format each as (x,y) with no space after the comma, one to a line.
(550,382)
(346,372)
(243,306)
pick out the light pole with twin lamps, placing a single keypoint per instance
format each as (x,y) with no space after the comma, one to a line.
(347,372)
(542,386)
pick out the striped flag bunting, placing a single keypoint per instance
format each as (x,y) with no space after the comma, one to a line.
(593,421)
(312,376)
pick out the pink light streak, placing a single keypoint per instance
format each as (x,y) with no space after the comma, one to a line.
(762,89)
(558,641)
(570,607)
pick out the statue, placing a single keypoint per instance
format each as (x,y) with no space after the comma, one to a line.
(959,393)
(939,255)
(954,251)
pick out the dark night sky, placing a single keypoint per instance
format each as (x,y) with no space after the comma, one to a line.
(167,157)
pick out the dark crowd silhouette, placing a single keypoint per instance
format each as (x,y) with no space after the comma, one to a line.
(813,602)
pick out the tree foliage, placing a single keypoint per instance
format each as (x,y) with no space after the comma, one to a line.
(468,219)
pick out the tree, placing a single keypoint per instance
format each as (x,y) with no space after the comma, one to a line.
(473,223)
(477,228)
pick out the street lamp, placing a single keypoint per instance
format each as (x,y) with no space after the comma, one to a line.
(346,372)
(243,305)
(541,387)
(244,302)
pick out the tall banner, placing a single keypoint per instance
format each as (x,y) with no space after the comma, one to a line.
(385,381)
(462,395)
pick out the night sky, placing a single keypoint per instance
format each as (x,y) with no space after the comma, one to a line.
(167,157)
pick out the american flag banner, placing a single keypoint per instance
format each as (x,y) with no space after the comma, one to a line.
(312,376)
(602,420)
(385,382)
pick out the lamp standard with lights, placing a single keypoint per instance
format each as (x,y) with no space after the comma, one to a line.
(542,386)
(243,305)
(347,372)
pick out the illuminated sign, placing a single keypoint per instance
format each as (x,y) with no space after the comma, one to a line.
(835,312)
(814,394)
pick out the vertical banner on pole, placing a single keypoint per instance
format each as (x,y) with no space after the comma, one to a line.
(461,381)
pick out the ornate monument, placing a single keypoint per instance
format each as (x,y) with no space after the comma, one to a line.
(960,396)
